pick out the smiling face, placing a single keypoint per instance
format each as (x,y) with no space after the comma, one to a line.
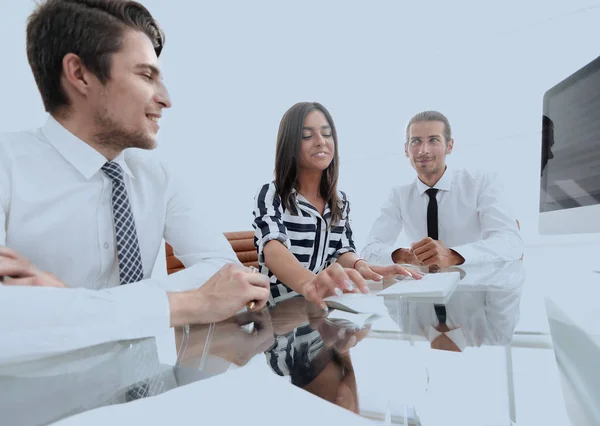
(427,148)
(317,147)
(128,107)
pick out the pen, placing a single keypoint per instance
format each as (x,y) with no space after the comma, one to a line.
(250,305)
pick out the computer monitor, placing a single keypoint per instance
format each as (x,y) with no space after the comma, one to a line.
(577,352)
(570,178)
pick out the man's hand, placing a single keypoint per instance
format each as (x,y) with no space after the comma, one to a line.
(377,273)
(325,283)
(233,344)
(222,296)
(17,270)
(405,256)
(433,252)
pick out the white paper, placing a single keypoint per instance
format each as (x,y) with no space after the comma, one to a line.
(359,303)
(431,285)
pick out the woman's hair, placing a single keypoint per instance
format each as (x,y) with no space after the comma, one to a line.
(289,139)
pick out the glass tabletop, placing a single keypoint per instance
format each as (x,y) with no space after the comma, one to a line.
(398,363)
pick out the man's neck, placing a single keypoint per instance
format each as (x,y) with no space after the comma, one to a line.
(431,179)
(84,130)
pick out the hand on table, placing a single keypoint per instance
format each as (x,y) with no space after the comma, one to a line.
(432,252)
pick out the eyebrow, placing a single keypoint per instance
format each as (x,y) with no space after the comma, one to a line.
(153,69)
(428,137)
(322,128)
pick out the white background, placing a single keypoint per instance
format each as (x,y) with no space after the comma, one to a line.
(233,68)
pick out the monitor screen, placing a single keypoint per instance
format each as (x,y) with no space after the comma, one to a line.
(571,142)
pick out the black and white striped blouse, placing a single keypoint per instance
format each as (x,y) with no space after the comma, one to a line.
(312,238)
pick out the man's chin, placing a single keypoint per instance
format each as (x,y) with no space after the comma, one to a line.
(147,144)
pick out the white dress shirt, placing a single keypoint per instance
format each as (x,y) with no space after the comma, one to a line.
(56,210)
(38,322)
(473,219)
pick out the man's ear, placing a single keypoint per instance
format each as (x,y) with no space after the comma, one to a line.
(450,146)
(75,74)
(406,150)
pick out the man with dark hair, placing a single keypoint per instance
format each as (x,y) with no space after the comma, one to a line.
(75,201)
(452,216)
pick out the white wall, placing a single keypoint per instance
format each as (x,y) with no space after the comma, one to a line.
(233,68)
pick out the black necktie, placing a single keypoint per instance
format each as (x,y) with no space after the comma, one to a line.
(432,214)
(432,232)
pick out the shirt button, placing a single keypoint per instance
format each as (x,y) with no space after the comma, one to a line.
(106,246)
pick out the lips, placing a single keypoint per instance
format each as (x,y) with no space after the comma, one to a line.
(320,154)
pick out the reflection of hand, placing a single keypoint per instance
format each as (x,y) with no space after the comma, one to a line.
(17,270)
(341,336)
(230,341)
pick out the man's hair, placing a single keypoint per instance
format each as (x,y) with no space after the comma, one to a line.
(91,29)
(431,116)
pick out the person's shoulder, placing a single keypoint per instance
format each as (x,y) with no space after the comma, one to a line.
(267,191)
(473,175)
(402,190)
(145,162)
(22,139)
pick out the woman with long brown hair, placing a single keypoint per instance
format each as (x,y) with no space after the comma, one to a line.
(301,220)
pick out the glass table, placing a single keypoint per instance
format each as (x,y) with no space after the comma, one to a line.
(398,364)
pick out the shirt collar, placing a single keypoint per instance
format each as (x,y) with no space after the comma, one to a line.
(79,154)
(305,205)
(443,184)
(457,336)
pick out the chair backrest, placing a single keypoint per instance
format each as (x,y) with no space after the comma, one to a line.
(241,242)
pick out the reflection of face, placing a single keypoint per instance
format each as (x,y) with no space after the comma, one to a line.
(317,146)
(426,147)
(128,107)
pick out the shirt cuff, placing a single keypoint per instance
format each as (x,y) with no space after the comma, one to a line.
(340,252)
(468,253)
(381,257)
(279,236)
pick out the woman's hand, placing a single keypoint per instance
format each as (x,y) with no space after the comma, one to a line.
(378,273)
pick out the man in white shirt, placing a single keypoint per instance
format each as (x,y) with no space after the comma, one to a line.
(451,216)
(74,199)
(81,205)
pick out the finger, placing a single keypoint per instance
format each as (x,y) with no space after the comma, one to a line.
(428,255)
(358,280)
(258,280)
(259,295)
(335,277)
(434,260)
(369,273)
(312,295)
(408,272)
(387,271)
(27,281)
(10,254)
(421,243)
(422,249)
(13,268)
